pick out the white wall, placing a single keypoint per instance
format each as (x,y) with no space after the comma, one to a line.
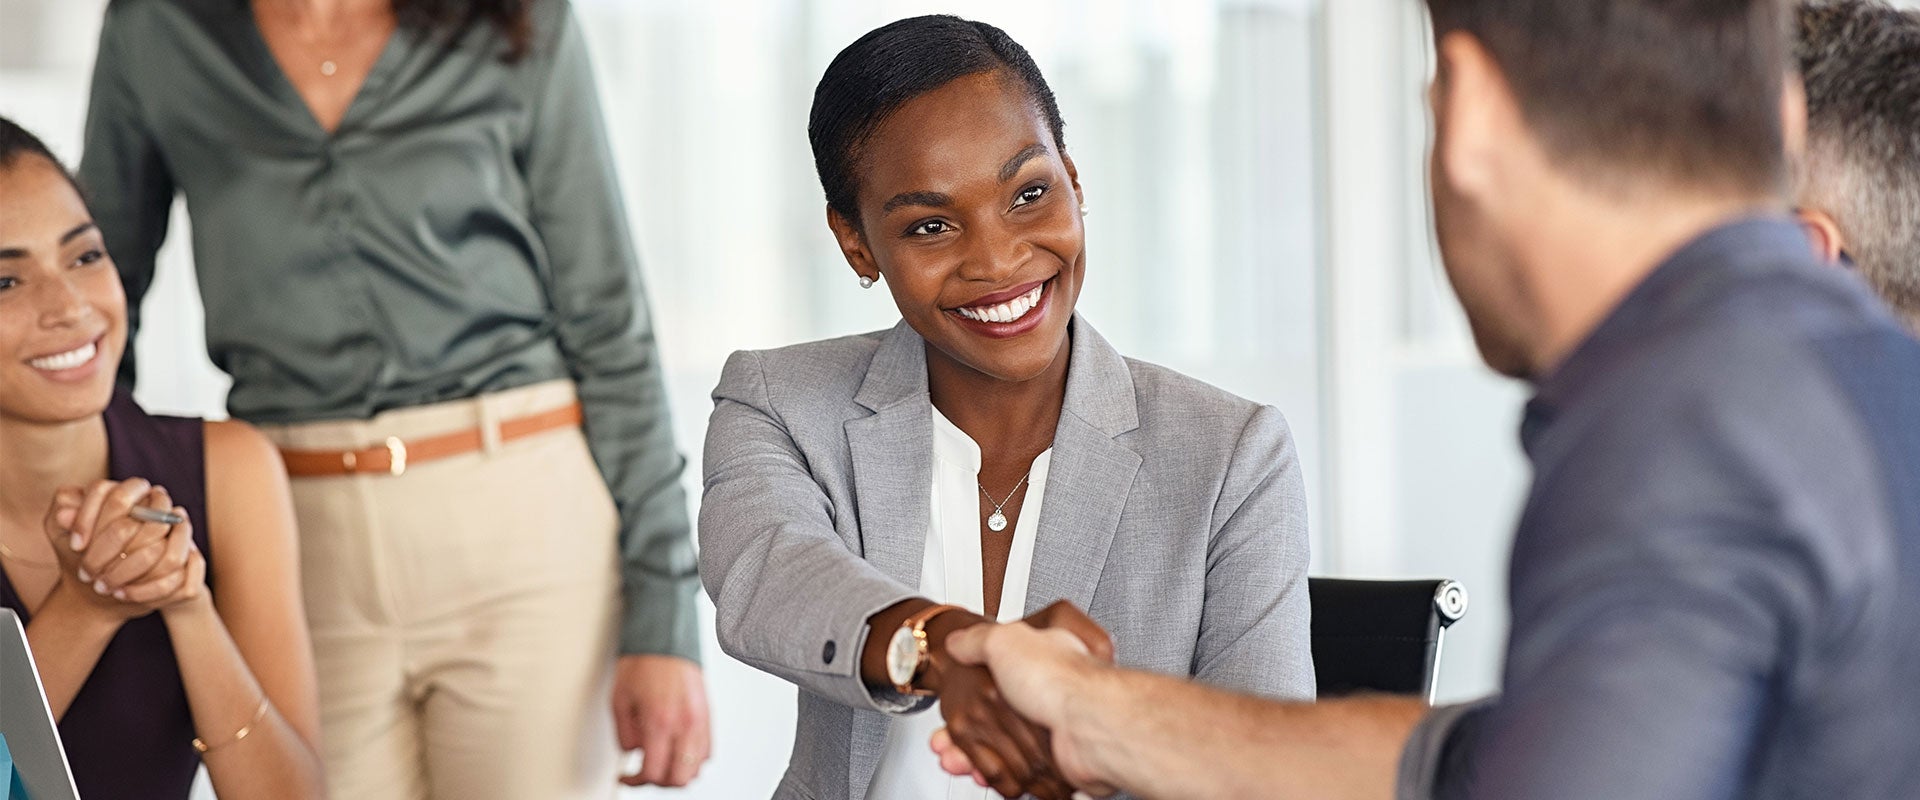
(1425,473)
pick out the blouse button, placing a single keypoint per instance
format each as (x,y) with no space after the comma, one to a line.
(826,653)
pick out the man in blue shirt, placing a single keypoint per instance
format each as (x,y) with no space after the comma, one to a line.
(1716,579)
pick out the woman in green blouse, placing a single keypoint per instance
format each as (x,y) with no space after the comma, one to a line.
(417,271)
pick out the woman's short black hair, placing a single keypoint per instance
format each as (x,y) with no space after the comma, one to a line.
(893,64)
(17,142)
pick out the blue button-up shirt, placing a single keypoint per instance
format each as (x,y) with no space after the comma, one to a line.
(1716,580)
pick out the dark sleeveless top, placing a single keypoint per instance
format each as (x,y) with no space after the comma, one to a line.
(129,732)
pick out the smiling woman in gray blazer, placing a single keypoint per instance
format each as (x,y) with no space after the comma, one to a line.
(842,536)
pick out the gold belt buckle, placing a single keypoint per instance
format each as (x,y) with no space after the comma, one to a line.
(397,453)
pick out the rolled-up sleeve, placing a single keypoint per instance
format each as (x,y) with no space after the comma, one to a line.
(1648,674)
(1425,758)
(604,328)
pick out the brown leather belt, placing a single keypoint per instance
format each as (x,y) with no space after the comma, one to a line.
(395,455)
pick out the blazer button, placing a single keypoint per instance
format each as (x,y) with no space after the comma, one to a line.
(826,653)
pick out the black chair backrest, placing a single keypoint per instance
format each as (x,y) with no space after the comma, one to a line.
(1381,636)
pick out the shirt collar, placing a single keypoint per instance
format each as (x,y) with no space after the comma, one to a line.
(952,445)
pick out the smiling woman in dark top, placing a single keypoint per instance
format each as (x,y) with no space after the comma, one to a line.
(148,669)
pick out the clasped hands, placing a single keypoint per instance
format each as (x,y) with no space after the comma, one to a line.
(999,721)
(120,566)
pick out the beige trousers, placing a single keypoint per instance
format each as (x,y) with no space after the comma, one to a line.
(464,613)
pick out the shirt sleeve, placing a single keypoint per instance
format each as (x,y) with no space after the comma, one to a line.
(1424,759)
(128,186)
(606,333)
(1647,673)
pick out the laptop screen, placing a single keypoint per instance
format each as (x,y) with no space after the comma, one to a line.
(26,723)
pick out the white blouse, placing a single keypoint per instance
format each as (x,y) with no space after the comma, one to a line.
(951,572)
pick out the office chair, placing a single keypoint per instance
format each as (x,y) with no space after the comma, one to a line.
(1381,636)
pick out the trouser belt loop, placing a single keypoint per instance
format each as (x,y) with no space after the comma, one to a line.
(489,425)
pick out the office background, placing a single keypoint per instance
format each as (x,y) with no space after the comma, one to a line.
(1258,219)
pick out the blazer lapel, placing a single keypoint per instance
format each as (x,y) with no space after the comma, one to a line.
(893,457)
(892,452)
(1090,477)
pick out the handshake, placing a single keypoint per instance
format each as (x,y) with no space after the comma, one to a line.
(1003,695)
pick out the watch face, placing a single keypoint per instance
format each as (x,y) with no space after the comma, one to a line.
(903,655)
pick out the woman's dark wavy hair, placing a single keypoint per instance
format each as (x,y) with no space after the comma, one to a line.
(512,18)
(898,62)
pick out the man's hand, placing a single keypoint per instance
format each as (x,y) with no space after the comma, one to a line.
(1161,736)
(1066,616)
(1034,668)
(1013,754)
(660,709)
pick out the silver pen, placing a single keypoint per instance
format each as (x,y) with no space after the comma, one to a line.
(146,514)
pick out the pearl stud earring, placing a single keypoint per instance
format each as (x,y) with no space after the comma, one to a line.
(866,282)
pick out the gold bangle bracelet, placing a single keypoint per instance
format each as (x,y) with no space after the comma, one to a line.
(258,715)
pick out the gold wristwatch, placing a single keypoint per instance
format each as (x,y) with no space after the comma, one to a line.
(907,652)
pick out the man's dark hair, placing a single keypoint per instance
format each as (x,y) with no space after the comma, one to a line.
(1686,92)
(1861,64)
(893,64)
(17,143)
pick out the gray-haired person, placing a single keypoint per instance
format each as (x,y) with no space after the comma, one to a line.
(1859,182)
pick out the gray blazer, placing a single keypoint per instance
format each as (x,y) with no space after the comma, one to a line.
(1175,515)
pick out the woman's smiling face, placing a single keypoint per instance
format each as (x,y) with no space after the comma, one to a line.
(972,215)
(63,316)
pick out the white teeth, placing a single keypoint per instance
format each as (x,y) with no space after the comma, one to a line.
(1010,311)
(67,360)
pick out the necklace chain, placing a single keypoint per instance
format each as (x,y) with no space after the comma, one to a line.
(22,560)
(997,506)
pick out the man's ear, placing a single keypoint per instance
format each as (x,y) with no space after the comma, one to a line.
(1475,114)
(853,245)
(1823,232)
